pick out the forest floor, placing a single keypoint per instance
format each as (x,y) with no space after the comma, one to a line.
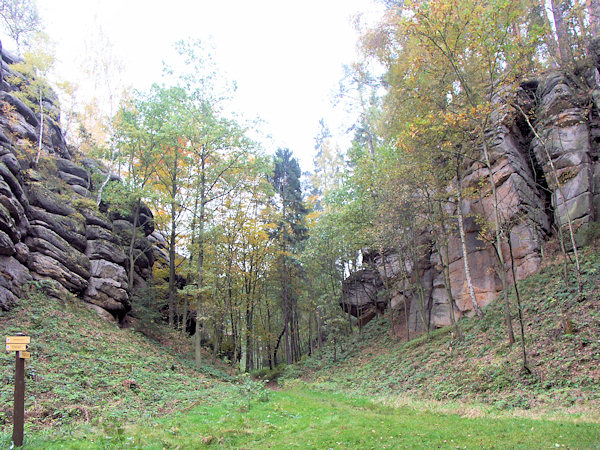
(91,384)
(562,343)
(303,418)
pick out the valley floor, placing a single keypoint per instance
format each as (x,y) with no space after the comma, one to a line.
(300,417)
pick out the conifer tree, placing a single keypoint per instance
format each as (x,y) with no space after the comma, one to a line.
(291,232)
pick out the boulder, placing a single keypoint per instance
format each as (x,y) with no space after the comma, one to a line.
(73,180)
(43,198)
(361,292)
(70,229)
(108,294)
(69,167)
(7,299)
(47,267)
(95,218)
(102,313)
(73,260)
(7,224)
(14,185)
(14,275)
(80,190)
(7,248)
(15,208)
(93,232)
(21,252)
(101,249)
(21,108)
(145,219)
(100,268)
(11,162)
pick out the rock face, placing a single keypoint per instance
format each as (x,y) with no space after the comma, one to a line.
(50,229)
(532,204)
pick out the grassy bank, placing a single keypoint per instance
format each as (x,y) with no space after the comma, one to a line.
(562,339)
(303,418)
(84,370)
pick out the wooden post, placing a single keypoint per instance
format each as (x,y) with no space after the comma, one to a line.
(19,344)
(19,405)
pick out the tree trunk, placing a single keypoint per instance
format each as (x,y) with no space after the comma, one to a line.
(249,319)
(559,190)
(562,34)
(113,154)
(269,333)
(172,256)
(520,309)
(463,242)
(131,255)
(593,7)
(41,105)
(200,278)
(498,236)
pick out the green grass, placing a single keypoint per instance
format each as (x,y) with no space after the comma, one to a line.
(304,418)
(562,342)
(93,385)
(85,370)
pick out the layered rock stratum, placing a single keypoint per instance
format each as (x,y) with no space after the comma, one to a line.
(549,123)
(51,232)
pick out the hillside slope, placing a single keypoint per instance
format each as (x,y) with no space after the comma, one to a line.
(562,339)
(85,369)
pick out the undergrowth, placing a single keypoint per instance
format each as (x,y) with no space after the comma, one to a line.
(85,370)
(562,338)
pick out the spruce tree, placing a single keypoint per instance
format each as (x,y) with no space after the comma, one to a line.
(291,231)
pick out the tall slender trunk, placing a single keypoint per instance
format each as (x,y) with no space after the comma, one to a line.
(1,68)
(200,278)
(131,254)
(310,333)
(593,7)
(41,105)
(386,286)
(269,333)
(520,309)
(444,258)
(232,318)
(562,34)
(249,344)
(420,291)
(190,263)
(113,154)
(560,191)
(319,330)
(498,237)
(463,242)
(287,313)
(172,255)
(184,313)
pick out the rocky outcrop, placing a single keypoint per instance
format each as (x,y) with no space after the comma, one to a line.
(50,229)
(543,128)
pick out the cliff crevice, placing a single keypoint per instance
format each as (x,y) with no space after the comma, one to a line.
(550,123)
(51,231)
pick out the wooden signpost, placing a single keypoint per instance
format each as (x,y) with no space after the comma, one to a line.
(19,344)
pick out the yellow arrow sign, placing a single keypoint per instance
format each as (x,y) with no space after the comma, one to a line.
(18,340)
(24,355)
(16,347)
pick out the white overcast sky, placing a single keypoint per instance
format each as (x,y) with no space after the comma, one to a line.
(286,56)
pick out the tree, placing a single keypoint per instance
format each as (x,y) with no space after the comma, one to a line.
(142,130)
(21,20)
(173,175)
(290,232)
(33,83)
(104,68)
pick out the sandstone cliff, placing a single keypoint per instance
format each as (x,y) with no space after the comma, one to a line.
(50,229)
(563,123)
